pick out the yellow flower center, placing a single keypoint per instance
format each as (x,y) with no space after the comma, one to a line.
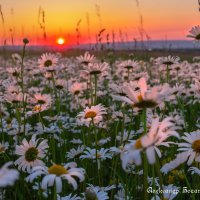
(90,114)
(171,179)
(9,125)
(196,146)
(37,108)
(138,144)
(57,170)
(139,97)
(98,155)
(175,171)
(181,176)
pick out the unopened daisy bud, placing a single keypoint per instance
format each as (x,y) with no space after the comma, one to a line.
(25,41)
(90,194)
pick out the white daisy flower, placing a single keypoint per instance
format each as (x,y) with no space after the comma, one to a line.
(14,71)
(41,103)
(31,153)
(76,141)
(69,197)
(91,114)
(86,58)
(48,62)
(194,170)
(96,193)
(128,64)
(124,137)
(121,194)
(37,109)
(144,97)
(60,84)
(159,131)
(8,176)
(13,98)
(102,154)
(56,173)
(42,99)
(74,153)
(169,60)
(195,33)
(95,69)
(77,88)
(106,189)
(190,151)
(102,141)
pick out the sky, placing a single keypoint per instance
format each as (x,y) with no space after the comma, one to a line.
(161,20)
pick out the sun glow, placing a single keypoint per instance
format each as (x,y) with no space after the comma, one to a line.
(60,41)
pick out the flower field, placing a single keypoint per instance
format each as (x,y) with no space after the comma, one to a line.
(97,128)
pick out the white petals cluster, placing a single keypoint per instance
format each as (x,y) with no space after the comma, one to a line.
(8,176)
(149,142)
(56,173)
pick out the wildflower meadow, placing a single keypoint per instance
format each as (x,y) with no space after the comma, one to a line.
(99,126)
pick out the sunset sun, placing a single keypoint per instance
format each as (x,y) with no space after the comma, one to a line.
(60,41)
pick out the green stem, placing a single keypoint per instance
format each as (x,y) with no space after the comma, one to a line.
(123,126)
(128,74)
(188,184)
(1,116)
(18,117)
(54,85)
(159,173)
(24,99)
(145,163)
(53,149)
(167,73)
(54,192)
(95,88)
(59,102)
(40,120)
(83,136)
(22,71)
(22,75)
(154,185)
(96,147)
(91,90)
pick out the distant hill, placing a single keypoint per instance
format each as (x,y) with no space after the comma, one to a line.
(146,45)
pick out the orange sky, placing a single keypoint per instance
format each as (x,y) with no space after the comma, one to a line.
(162,19)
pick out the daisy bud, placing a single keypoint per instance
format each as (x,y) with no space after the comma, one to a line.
(90,194)
(25,41)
